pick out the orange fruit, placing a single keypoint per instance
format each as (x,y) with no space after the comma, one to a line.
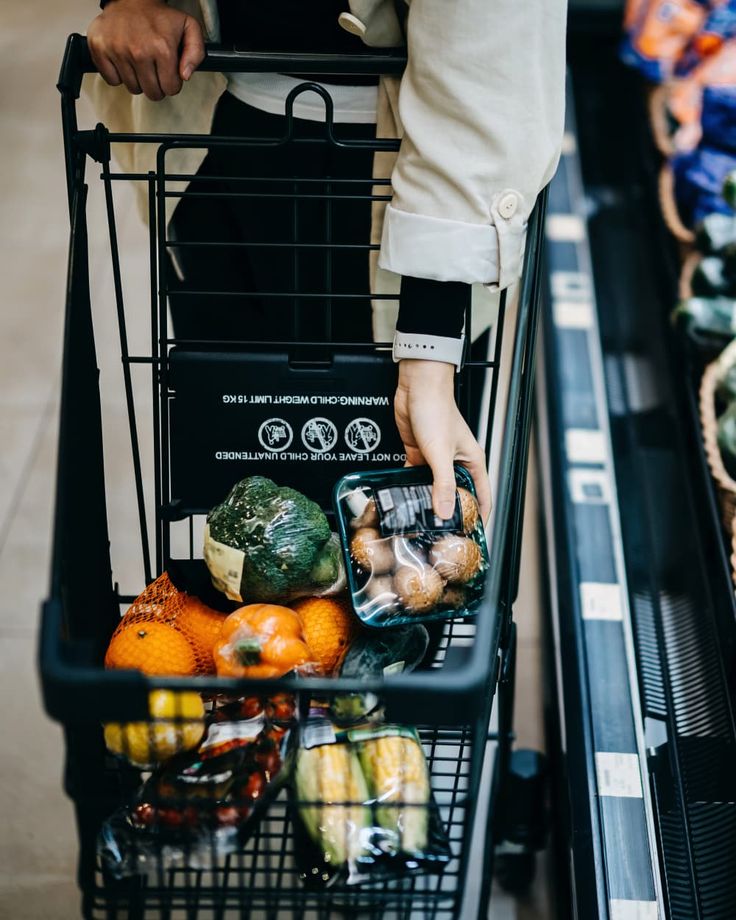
(329,626)
(154,648)
(201,625)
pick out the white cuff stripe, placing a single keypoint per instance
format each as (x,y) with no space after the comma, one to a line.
(428,348)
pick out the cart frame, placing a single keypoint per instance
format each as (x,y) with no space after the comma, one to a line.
(452,702)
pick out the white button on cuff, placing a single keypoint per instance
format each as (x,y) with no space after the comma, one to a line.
(351,24)
(507,205)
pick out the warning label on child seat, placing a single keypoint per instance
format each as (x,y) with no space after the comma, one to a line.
(240,414)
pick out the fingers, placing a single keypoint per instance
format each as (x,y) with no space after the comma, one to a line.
(440,457)
(192,51)
(128,76)
(145,71)
(167,70)
(108,70)
(478,469)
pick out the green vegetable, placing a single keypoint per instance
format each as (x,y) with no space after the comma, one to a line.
(727,439)
(729,189)
(266,543)
(715,231)
(376,655)
(710,279)
(710,322)
(329,566)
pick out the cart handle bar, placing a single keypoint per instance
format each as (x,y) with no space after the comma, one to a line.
(78,61)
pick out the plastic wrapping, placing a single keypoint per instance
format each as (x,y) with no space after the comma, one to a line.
(201,805)
(363,805)
(660,32)
(718,28)
(709,322)
(685,95)
(709,279)
(261,641)
(727,439)
(405,564)
(725,389)
(699,178)
(271,543)
(377,654)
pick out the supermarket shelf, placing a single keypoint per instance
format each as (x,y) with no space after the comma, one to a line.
(677,595)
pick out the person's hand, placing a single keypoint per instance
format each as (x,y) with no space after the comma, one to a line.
(434,432)
(138,43)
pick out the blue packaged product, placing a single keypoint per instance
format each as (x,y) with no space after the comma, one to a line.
(660,35)
(699,176)
(718,117)
(718,28)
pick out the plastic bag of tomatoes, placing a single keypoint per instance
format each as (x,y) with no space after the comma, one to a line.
(203,804)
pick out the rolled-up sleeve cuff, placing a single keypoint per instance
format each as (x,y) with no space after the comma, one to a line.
(452,250)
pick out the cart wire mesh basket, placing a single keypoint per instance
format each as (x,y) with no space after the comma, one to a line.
(317,384)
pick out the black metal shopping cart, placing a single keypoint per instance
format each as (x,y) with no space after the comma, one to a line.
(310,388)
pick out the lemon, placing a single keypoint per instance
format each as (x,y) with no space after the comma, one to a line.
(145,744)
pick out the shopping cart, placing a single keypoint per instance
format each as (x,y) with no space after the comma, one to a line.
(450,700)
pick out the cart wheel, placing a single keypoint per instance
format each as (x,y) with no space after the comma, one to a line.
(515,871)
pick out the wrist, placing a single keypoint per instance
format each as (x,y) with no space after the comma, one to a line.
(434,375)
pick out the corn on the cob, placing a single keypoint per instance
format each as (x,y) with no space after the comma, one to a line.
(396,771)
(329,778)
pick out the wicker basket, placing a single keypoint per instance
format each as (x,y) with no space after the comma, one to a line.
(658,120)
(725,485)
(689,264)
(670,212)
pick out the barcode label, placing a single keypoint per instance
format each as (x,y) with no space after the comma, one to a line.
(222,732)
(317,732)
(408,509)
(396,668)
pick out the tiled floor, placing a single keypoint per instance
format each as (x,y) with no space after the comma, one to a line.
(37,842)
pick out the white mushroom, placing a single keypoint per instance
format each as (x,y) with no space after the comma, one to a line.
(456,558)
(368,517)
(371,551)
(419,588)
(469,509)
(378,595)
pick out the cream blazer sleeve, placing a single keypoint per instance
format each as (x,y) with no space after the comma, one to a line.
(482,106)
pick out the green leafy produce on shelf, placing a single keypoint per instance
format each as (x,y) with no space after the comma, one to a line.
(398,780)
(727,439)
(709,322)
(710,279)
(726,376)
(715,231)
(729,189)
(330,789)
(270,543)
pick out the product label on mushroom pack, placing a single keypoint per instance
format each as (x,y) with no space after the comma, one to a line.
(408,509)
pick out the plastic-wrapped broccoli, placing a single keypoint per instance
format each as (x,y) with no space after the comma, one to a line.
(271,543)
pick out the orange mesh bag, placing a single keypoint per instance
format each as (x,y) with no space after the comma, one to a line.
(166,632)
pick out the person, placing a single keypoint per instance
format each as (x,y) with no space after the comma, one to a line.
(481,109)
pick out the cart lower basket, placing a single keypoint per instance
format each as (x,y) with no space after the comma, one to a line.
(189,463)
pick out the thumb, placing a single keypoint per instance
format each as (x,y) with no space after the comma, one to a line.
(443,487)
(192,53)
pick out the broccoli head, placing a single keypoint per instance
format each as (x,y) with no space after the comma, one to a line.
(281,534)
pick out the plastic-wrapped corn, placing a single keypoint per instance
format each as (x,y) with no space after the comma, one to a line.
(330,780)
(397,776)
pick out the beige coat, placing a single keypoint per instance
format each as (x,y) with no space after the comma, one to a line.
(480,112)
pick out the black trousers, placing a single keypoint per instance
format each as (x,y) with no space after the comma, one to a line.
(239,199)
(236,200)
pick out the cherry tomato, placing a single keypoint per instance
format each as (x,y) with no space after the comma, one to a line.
(254,787)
